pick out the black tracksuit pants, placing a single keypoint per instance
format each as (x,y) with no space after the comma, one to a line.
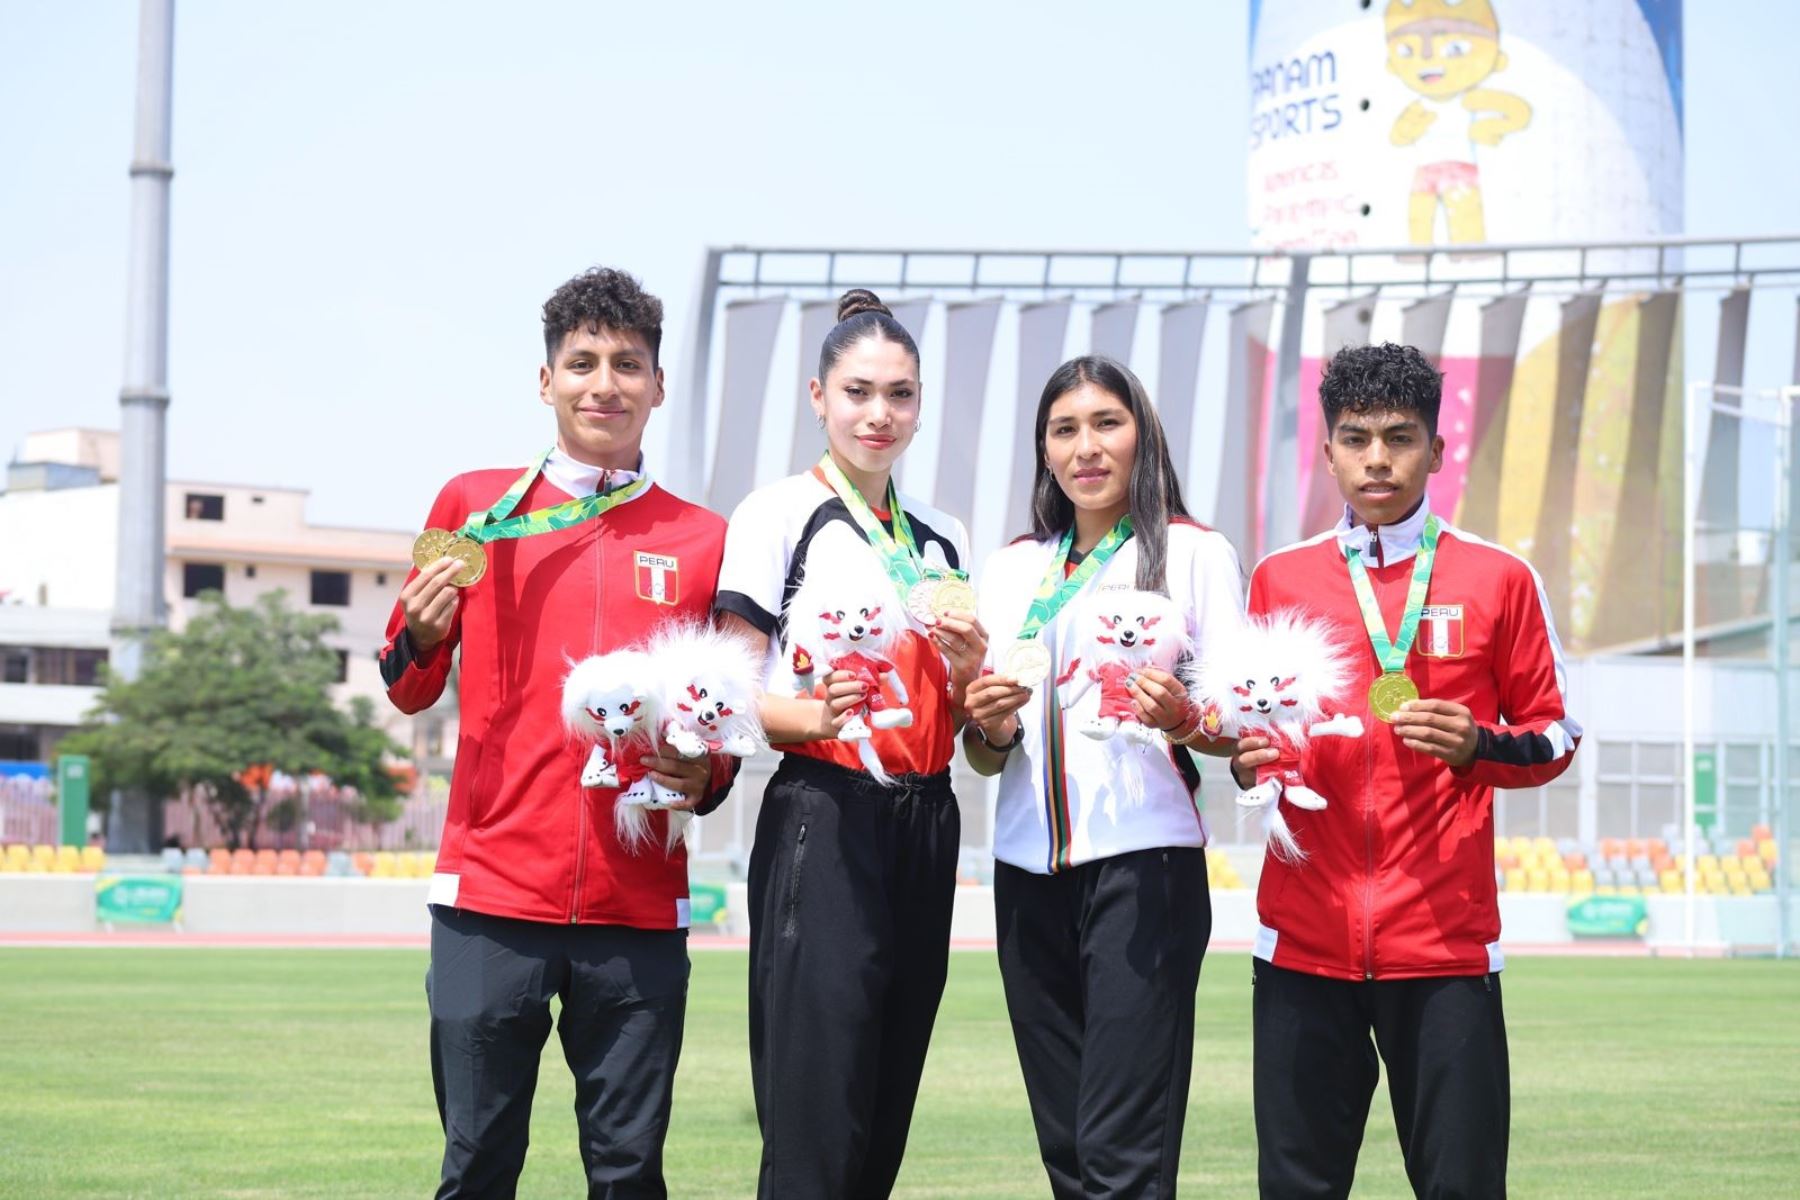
(851,886)
(1317,1042)
(624,999)
(1100,963)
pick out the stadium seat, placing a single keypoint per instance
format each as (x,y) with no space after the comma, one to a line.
(291,857)
(1612,847)
(1605,889)
(173,859)
(1761,833)
(1656,846)
(1515,880)
(384,865)
(1543,846)
(265,861)
(13,858)
(1671,881)
(243,862)
(1765,849)
(43,858)
(1581,883)
(312,862)
(68,859)
(197,860)
(1537,881)
(1574,860)
(363,862)
(1560,881)
(1646,878)
(1506,861)
(1706,862)
(338,863)
(220,860)
(1634,848)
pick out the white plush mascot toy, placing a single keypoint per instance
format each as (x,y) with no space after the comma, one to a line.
(848,617)
(610,700)
(709,690)
(1122,633)
(1277,679)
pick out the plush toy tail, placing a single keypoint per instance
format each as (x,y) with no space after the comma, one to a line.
(632,823)
(1279,836)
(871,761)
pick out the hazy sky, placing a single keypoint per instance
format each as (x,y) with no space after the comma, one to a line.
(371,201)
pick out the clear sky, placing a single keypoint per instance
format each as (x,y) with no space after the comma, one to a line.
(371,201)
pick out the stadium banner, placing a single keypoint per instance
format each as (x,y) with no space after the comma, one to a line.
(137,899)
(706,901)
(1609,917)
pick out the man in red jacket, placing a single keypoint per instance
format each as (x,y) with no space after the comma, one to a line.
(534,896)
(1385,940)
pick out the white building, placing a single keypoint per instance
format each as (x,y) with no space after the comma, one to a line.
(60,511)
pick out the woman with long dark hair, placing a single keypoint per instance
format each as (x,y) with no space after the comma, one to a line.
(1100,885)
(853,870)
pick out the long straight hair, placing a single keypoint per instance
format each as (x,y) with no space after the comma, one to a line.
(1154,488)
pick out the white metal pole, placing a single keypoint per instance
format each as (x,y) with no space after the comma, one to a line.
(1784,557)
(1690,471)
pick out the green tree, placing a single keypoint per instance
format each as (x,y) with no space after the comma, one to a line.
(237,693)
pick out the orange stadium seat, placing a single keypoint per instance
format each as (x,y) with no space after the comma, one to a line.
(243,862)
(1761,833)
(1611,847)
(1574,861)
(219,861)
(363,861)
(312,862)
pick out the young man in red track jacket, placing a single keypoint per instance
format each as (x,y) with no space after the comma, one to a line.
(534,896)
(1385,940)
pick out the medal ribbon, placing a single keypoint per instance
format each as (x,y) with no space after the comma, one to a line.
(1056,591)
(898,552)
(498,523)
(1392,655)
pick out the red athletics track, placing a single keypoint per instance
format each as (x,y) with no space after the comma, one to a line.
(164,938)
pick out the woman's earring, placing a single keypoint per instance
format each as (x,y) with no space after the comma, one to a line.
(821,420)
(918,424)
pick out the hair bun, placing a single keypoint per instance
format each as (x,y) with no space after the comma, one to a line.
(857,301)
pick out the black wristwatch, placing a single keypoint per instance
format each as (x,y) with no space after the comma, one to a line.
(1004,747)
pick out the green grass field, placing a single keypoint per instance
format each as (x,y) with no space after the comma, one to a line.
(141,1072)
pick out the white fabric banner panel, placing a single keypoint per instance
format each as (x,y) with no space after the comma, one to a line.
(1502,321)
(817,317)
(750,329)
(1241,429)
(1178,378)
(1719,475)
(1550,546)
(968,352)
(912,315)
(1422,324)
(1042,331)
(1113,330)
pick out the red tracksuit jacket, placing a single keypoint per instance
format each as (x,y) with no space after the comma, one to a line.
(1399,882)
(523,838)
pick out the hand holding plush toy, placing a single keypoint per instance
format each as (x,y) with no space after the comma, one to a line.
(1123,632)
(847,616)
(1276,680)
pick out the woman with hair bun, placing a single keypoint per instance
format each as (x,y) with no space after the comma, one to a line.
(853,870)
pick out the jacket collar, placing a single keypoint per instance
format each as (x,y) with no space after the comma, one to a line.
(1384,544)
(579,479)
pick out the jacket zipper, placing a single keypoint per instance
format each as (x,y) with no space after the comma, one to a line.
(1369,858)
(581,819)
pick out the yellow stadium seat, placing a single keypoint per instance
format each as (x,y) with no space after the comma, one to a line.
(1765,850)
(1537,881)
(1515,879)
(68,859)
(1521,846)
(1706,862)
(1581,882)
(1559,881)
(93,858)
(1629,889)
(1670,881)
(1545,847)
(1739,888)
(384,866)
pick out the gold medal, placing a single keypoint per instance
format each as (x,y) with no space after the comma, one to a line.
(952,595)
(1028,662)
(471,556)
(1390,690)
(430,546)
(919,601)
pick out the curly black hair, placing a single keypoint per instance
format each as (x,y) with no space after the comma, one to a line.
(1382,378)
(602,298)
